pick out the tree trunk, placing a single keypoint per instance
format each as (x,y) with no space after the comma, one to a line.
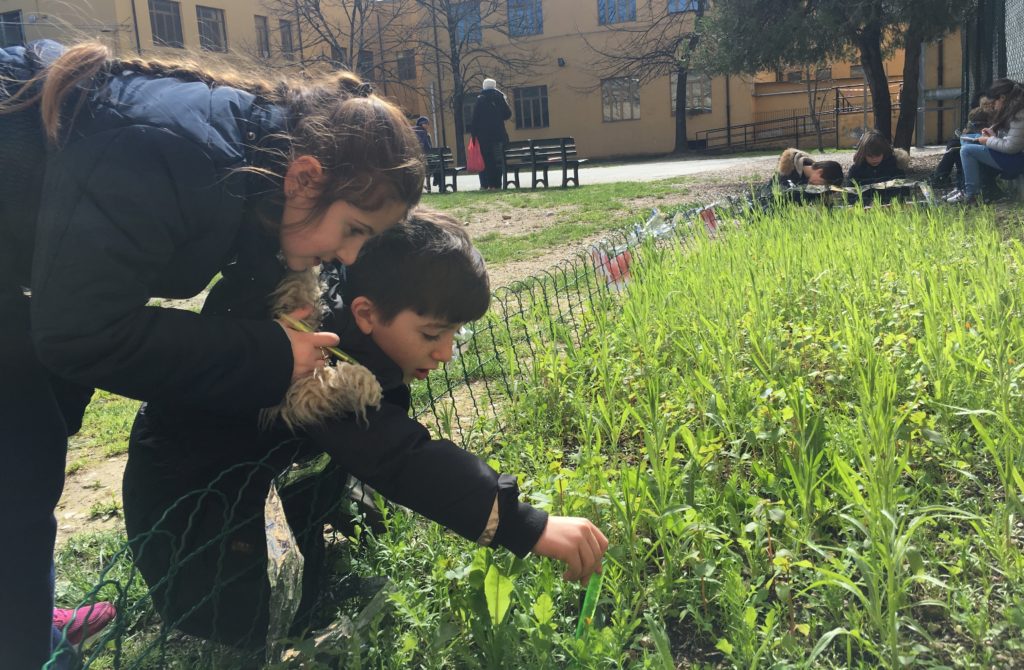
(681,145)
(909,96)
(869,41)
(812,95)
(682,70)
(458,94)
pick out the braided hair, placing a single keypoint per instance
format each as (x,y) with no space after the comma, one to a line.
(369,154)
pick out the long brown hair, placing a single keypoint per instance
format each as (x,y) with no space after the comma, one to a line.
(1012,93)
(872,143)
(369,154)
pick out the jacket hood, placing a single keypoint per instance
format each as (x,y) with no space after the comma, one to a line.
(902,158)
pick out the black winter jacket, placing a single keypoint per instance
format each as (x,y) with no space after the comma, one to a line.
(144,198)
(489,116)
(865,174)
(390,451)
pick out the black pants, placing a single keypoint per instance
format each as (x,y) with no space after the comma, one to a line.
(950,160)
(491,177)
(37,413)
(198,537)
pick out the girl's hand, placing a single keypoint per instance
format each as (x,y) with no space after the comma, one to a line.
(987,132)
(983,139)
(307,352)
(576,542)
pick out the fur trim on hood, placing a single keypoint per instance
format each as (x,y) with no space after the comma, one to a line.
(342,388)
(793,160)
(902,158)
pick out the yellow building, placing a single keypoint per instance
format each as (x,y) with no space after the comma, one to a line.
(553,74)
(241,31)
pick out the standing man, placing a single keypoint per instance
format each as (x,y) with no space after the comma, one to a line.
(422,130)
(488,127)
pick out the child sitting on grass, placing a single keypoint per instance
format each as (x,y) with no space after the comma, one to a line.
(876,161)
(195,484)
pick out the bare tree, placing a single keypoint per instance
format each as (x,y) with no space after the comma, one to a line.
(815,101)
(467,41)
(359,35)
(650,51)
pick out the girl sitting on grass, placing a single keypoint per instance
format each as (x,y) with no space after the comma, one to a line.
(999,146)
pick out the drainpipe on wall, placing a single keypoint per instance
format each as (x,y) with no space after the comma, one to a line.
(728,114)
(920,97)
(135,27)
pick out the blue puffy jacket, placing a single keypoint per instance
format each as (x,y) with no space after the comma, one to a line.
(144,198)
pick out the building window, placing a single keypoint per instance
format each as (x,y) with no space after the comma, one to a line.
(11,32)
(467,22)
(531,106)
(339,56)
(165,20)
(407,65)
(794,76)
(698,93)
(615,11)
(212,35)
(525,17)
(620,99)
(676,6)
(364,68)
(262,37)
(856,70)
(287,39)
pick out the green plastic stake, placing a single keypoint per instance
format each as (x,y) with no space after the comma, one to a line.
(589,603)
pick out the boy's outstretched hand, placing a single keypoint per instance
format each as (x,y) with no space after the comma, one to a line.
(574,541)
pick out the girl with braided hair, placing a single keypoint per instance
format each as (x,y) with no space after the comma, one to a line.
(126,180)
(1000,146)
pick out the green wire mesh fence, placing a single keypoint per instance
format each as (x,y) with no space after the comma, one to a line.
(219,576)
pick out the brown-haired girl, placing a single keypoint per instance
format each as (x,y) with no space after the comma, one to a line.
(876,160)
(126,180)
(1000,146)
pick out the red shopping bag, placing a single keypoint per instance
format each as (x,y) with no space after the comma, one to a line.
(474,159)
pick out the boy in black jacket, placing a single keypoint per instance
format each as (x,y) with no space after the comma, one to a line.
(195,484)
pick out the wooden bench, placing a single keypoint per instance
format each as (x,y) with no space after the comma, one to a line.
(441,166)
(540,156)
(515,157)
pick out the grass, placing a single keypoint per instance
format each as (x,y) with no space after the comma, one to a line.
(105,427)
(803,441)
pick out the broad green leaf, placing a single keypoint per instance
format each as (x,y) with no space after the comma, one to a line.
(498,591)
(724,646)
(543,609)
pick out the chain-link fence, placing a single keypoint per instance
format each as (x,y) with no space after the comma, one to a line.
(243,560)
(1015,39)
(993,47)
(218,576)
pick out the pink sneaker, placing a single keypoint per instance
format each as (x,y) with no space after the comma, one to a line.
(83,624)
